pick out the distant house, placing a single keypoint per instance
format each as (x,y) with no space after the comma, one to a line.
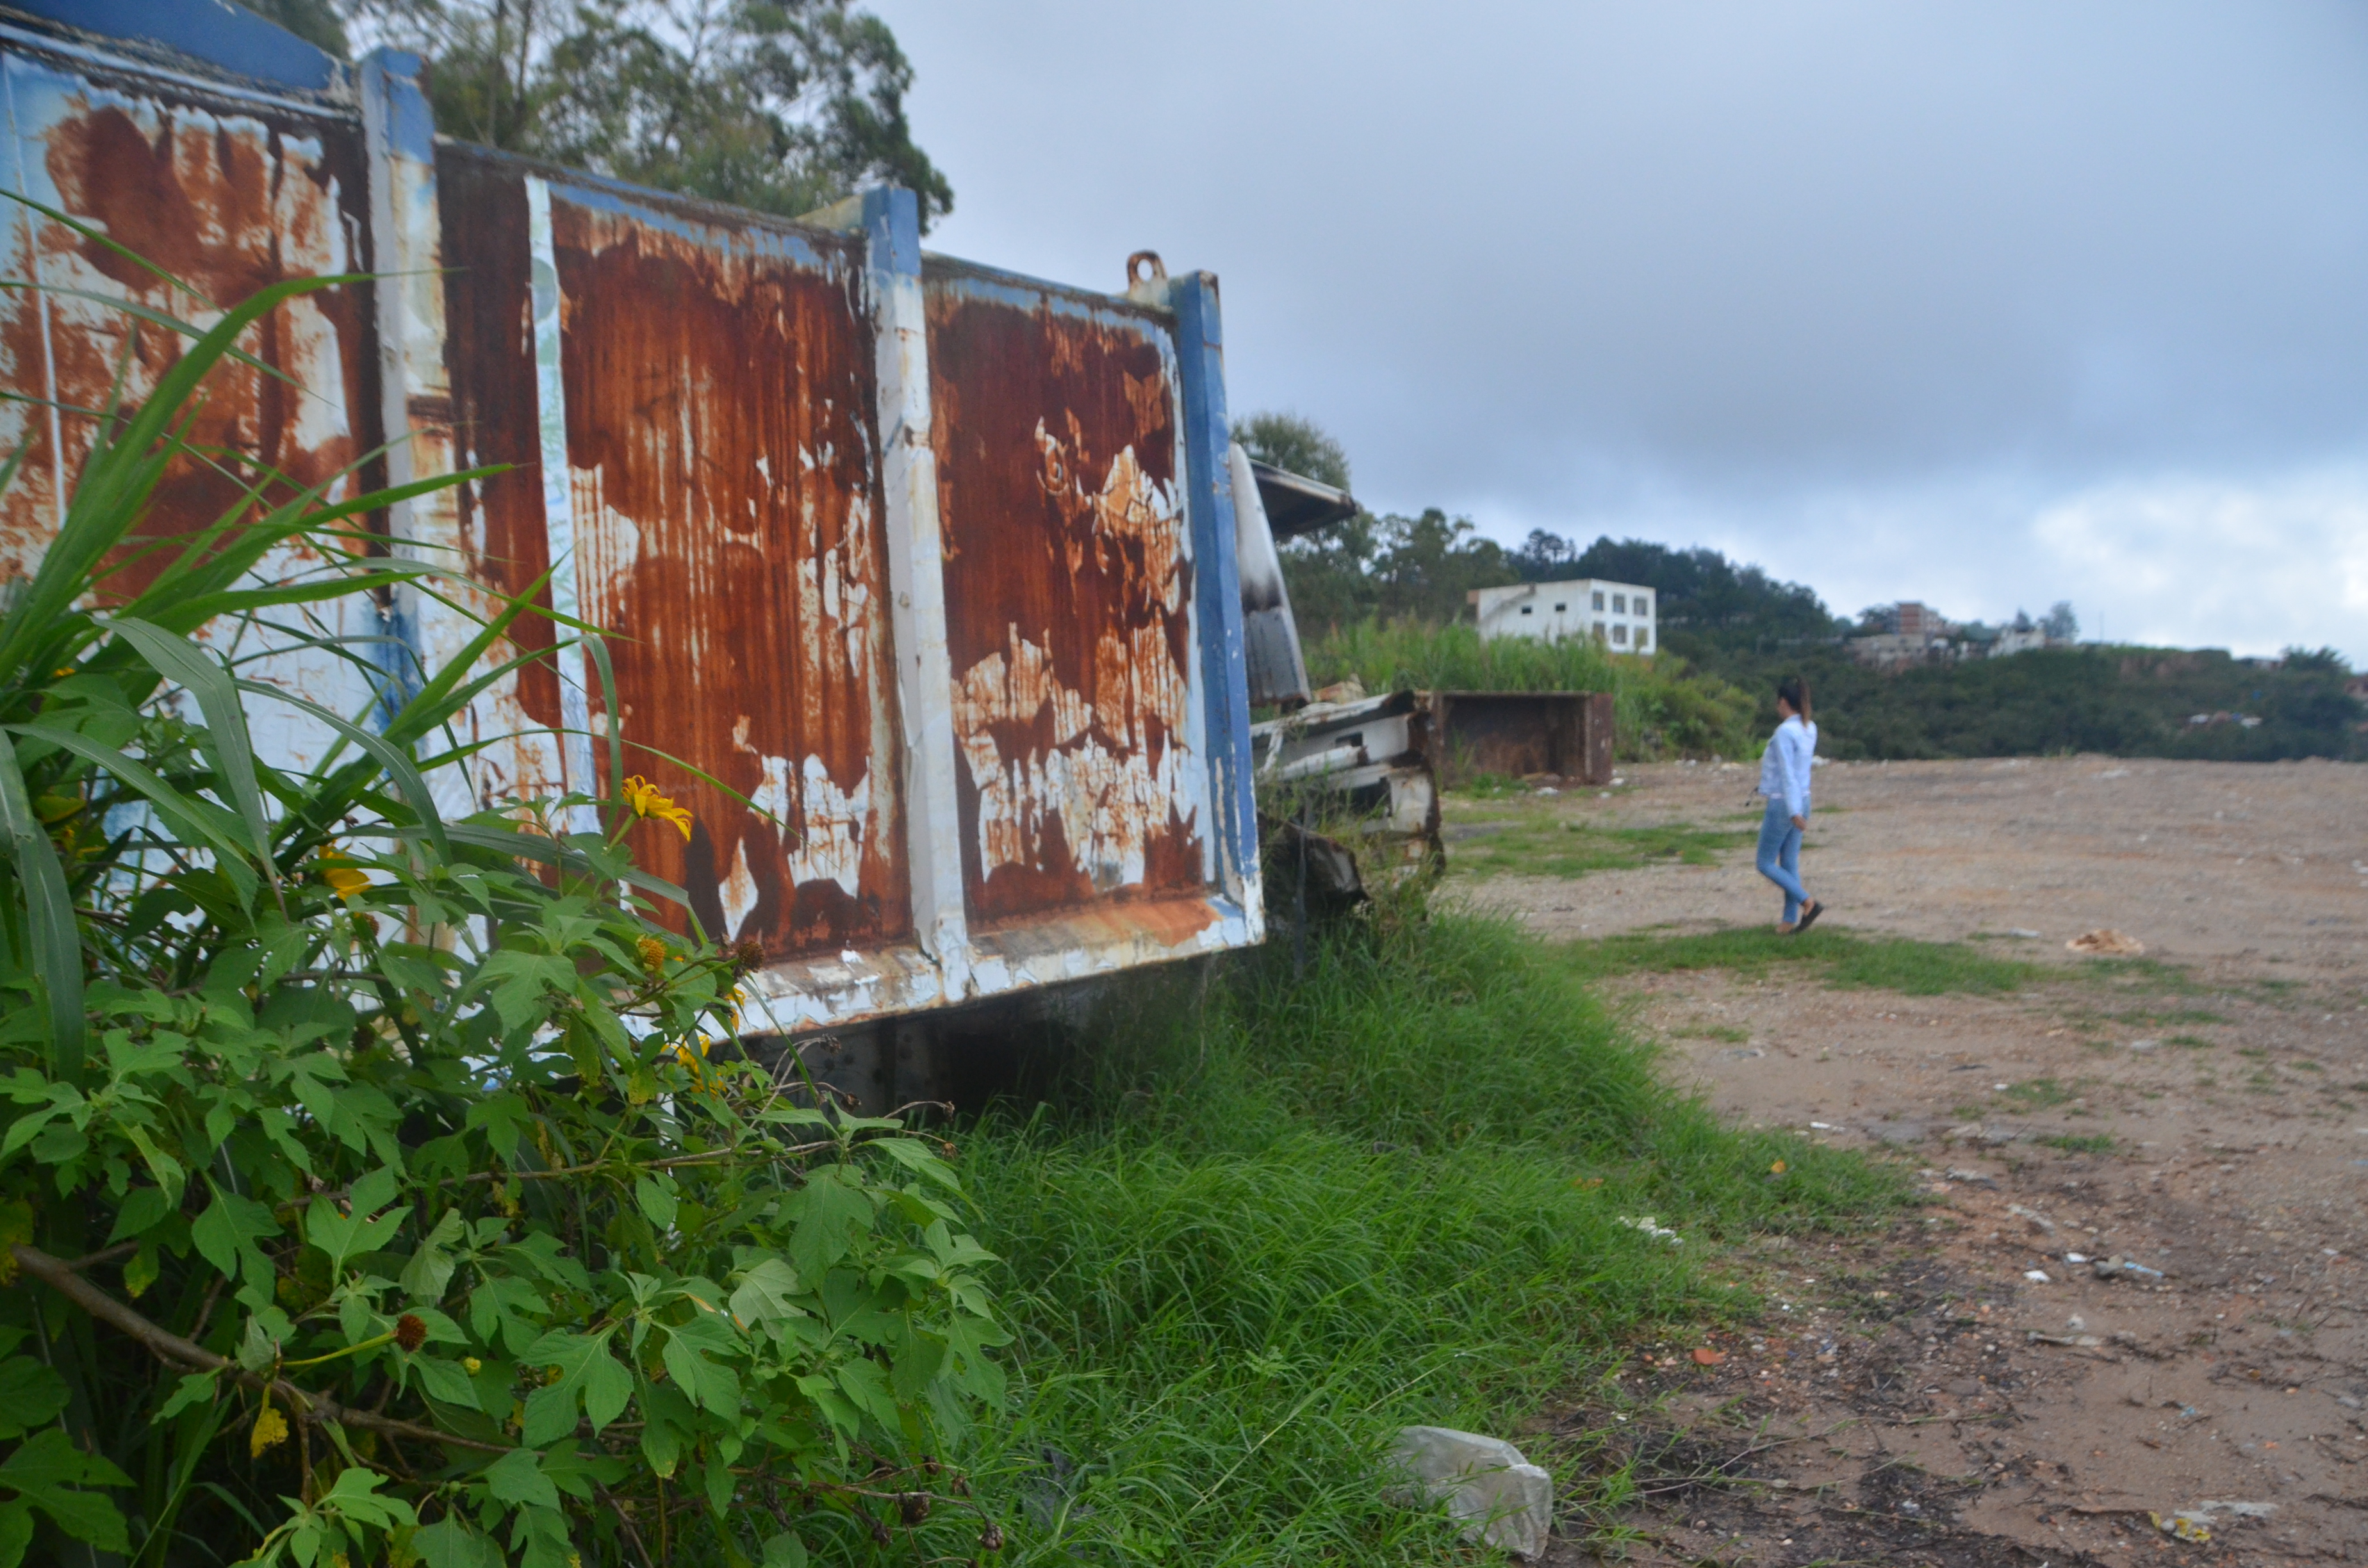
(1621,616)
(1908,634)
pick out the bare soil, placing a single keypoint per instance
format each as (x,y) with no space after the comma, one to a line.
(1966,1389)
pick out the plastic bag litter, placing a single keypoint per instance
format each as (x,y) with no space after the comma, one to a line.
(2106,942)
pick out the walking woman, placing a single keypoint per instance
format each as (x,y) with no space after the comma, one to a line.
(1785,779)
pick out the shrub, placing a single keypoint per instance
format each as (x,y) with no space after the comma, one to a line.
(374,1186)
(1662,708)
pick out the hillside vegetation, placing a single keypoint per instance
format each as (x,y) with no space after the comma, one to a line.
(1384,598)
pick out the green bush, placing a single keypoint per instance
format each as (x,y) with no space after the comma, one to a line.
(1662,708)
(367,1190)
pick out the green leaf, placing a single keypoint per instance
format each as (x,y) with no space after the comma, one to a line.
(355,1496)
(712,1386)
(226,1233)
(445,1380)
(517,1478)
(142,1207)
(767,1292)
(430,1269)
(785,1551)
(48,910)
(46,1472)
(200,672)
(16,1531)
(197,1388)
(450,1543)
(30,1396)
(608,1389)
(655,1201)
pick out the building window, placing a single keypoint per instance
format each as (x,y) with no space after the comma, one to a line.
(1528,610)
(1644,605)
(1644,639)
(1598,631)
(1559,608)
(1620,634)
(1620,604)
(1598,604)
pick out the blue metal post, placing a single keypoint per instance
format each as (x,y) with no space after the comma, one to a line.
(1217,593)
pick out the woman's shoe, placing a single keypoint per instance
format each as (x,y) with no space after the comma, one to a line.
(1808,917)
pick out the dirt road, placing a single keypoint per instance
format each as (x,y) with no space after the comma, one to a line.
(1969,1389)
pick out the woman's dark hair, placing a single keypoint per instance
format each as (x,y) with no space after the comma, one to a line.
(1794,690)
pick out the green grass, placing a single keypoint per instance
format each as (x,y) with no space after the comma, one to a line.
(2080,1142)
(1245,1242)
(1542,841)
(1826,957)
(2039,1093)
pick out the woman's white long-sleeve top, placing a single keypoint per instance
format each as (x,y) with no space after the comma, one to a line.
(1784,766)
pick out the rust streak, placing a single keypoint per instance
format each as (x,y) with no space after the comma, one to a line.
(1068,585)
(719,395)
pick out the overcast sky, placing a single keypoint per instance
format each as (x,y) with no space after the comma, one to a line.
(1986,304)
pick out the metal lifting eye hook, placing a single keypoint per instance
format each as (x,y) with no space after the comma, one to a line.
(1138,261)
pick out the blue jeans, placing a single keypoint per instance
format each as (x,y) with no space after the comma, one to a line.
(1780,857)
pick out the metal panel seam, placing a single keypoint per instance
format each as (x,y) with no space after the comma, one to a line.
(916,581)
(399,140)
(558,504)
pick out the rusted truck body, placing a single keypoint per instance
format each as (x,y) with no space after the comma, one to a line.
(932,563)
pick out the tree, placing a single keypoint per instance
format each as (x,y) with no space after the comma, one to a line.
(2329,659)
(2061,625)
(781,106)
(1295,445)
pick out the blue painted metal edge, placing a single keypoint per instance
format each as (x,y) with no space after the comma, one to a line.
(219,34)
(1216,577)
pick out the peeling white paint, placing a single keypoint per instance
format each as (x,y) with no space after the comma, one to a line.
(1122,767)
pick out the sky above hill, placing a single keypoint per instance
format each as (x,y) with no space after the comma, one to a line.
(1986,304)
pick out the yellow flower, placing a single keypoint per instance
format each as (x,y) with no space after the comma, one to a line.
(644,797)
(1776,1169)
(473,1365)
(344,879)
(271,1427)
(653,953)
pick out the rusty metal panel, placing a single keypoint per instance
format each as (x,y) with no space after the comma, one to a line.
(1070,616)
(1520,733)
(227,192)
(724,478)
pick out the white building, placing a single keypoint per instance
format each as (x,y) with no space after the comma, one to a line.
(1621,616)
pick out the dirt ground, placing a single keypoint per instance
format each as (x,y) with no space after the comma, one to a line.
(1968,1389)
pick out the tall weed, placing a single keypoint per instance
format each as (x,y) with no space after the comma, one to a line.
(1662,708)
(1249,1239)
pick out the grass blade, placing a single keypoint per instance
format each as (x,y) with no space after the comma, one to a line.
(394,758)
(56,940)
(201,675)
(185,817)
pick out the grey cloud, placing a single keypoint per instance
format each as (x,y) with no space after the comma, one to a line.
(1749,269)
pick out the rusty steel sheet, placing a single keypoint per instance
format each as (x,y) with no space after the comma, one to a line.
(227,193)
(1069,609)
(723,475)
(687,399)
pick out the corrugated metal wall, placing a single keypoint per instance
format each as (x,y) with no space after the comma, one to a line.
(925,564)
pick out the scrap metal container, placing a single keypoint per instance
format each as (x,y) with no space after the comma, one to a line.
(931,563)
